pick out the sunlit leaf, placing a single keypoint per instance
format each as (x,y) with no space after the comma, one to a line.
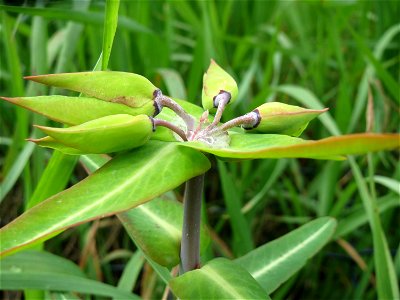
(253,146)
(218,279)
(46,271)
(275,262)
(73,110)
(119,87)
(156,227)
(126,181)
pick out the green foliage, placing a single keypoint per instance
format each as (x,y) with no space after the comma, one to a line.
(126,181)
(284,256)
(45,271)
(314,54)
(118,87)
(218,279)
(215,81)
(275,117)
(103,135)
(156,227)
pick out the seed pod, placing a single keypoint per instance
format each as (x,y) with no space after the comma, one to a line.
(74,110)
(280,118)
(104,135)
(217,82)
(119,87)
(49,142)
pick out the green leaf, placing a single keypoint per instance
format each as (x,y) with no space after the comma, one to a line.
(118,87)
(218,279)
(15,171)
(214,81)
(242,234)
(46,271)
(308,99)
(254,146)
(174,83)
(357,217)
(156,227)
(390,183)
(50,142)
(86,17)
(281,118)
(128,180)
(387,283)
(131,272)
(73,110)
(92,163)
(110,26)
(275,262)
(104,135)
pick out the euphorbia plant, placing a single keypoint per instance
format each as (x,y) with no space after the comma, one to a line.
(164,143)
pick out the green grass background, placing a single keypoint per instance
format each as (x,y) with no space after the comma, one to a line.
(341,54)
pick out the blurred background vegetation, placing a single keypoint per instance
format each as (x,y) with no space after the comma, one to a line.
(343,54)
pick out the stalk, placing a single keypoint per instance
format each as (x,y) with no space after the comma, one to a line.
(247,119)
(177,130)
(164,101)
(222,99)
(190,244)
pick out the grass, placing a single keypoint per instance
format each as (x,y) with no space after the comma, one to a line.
(341,55)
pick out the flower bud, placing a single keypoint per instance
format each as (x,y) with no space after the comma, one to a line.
(217,85)
(119,87)
(280,118)
(104,135)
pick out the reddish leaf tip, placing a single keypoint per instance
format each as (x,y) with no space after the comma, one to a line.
(32,77)
(9,99)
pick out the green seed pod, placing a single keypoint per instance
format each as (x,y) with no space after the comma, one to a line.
(217,84)
(49,142)
(280,118)
(104,135)
(119,87)
(74,110)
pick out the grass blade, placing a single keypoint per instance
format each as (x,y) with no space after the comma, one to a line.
(110,26)
(387,284)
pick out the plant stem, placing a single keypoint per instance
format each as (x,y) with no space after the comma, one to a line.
(177,130)
(247,119)
(164,101)
(222,99)
(190,244)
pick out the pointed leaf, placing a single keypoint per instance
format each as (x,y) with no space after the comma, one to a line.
(220,278)
(50,142)
(119,87)
(104,135)
(215,81)
(46,271)
(275,262)
(253,146)
(73,110)
(126,181)
(281,118)
(156,227)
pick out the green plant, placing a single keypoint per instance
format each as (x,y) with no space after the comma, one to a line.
(142,162)
(182,160)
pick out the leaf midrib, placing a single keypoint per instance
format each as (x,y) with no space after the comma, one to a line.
(172,231)
(221,282)
(141,172)
(273,264)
